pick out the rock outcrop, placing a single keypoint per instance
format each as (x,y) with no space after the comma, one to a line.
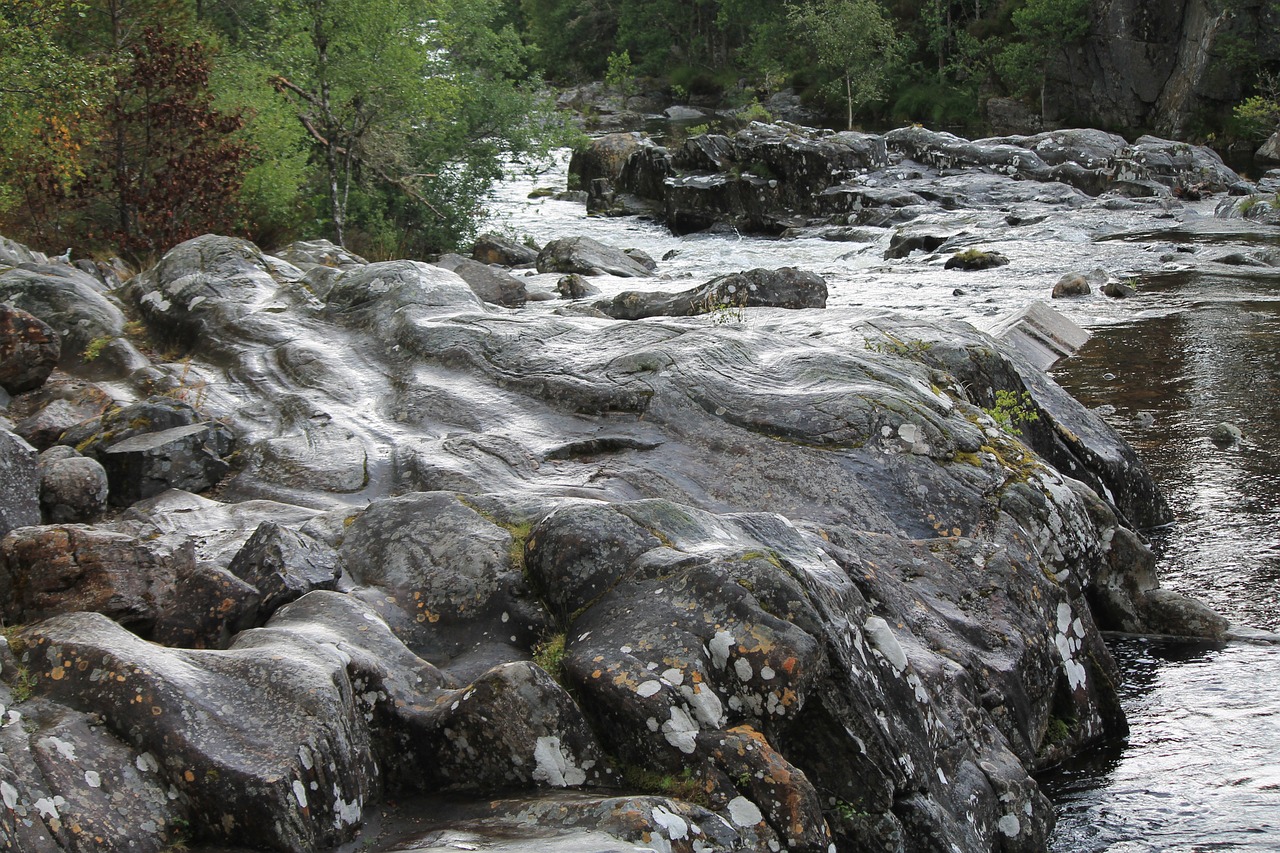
(789,585)
(768,178)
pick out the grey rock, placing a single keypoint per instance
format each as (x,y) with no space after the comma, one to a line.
(1225,434)
(19,483)
(184,457)
(29,350)
(976,259)
(73,488)
(61,404)
(1071,284)
(586,256)
(576,286)
(49,570)
(492,248)
(493,285)
(1118,290)
(69,301)
(759,288)
(310,253)
(283,565)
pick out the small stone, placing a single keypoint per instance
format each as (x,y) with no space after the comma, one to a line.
(1225,434)
(73,488)
(1071,284)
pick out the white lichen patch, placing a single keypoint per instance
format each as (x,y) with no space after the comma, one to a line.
(648,688)
(884,642)
(65,749)
(9,794)
(706,705)
(743,812)
(719,648)
(92,779)
(1069,642)
(681,731)
(676,827)
(555,765)
(300,792)
(742,667)
(1009,825)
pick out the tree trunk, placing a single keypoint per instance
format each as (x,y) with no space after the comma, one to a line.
(848,98)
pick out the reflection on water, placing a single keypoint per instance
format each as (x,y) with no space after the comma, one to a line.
(1171,379)
(1201,769)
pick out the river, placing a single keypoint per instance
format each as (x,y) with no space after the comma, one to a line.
(1201,769)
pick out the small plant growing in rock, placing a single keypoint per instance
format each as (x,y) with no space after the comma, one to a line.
(95,347)
(549,654)
(1012,410)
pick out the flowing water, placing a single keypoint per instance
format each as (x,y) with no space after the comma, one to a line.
(1194,348)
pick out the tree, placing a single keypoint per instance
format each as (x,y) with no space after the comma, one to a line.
(48,97)
(1043,30)
(851,39)
(409,106)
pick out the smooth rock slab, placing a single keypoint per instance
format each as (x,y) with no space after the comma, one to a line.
(148,464)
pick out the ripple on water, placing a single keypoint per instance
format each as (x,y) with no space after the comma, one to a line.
(1201,769)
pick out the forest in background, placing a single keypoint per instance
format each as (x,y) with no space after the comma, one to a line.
(127,126)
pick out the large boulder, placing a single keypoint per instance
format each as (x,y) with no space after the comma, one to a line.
(588,257)
(73,488)
(721,297)
(62,403)
(284,565)
(45,571)
(495,286)
(73,304)
(491,248)
(185,457)
(29,350)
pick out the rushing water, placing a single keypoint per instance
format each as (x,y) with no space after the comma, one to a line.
(1201,769)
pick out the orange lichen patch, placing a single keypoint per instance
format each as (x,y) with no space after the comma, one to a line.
(57,673)
(82,665)
(189,776)
(156,711)
(789,665)
(751,733)
(597,673)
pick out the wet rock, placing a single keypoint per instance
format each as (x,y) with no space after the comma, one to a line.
(605,157)
(975,259)
(586,256)
(67,300)
(1118,290)
(493,248)
(206,609)
(73,488)
(80,788)
(1071,284)
(284,565)
(19,483)
(905,241)
(458,596)
(323,253)
(1257,207)
(492,285)
(184,457)
(264,741)
(154,414)
(45,571)
(759,288)
(575,286)
(29,350)
(59,405)
(640,257)
(1225,434)
(1269,151)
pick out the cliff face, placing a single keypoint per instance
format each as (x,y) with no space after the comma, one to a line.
(1163,65)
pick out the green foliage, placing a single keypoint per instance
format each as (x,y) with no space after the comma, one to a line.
(853,41)
(685,785)
(1043,30)
(549,654)
(1260,114)
(95,347)
(619,75)
(1013,410)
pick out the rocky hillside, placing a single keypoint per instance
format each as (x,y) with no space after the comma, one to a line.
(292,537)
